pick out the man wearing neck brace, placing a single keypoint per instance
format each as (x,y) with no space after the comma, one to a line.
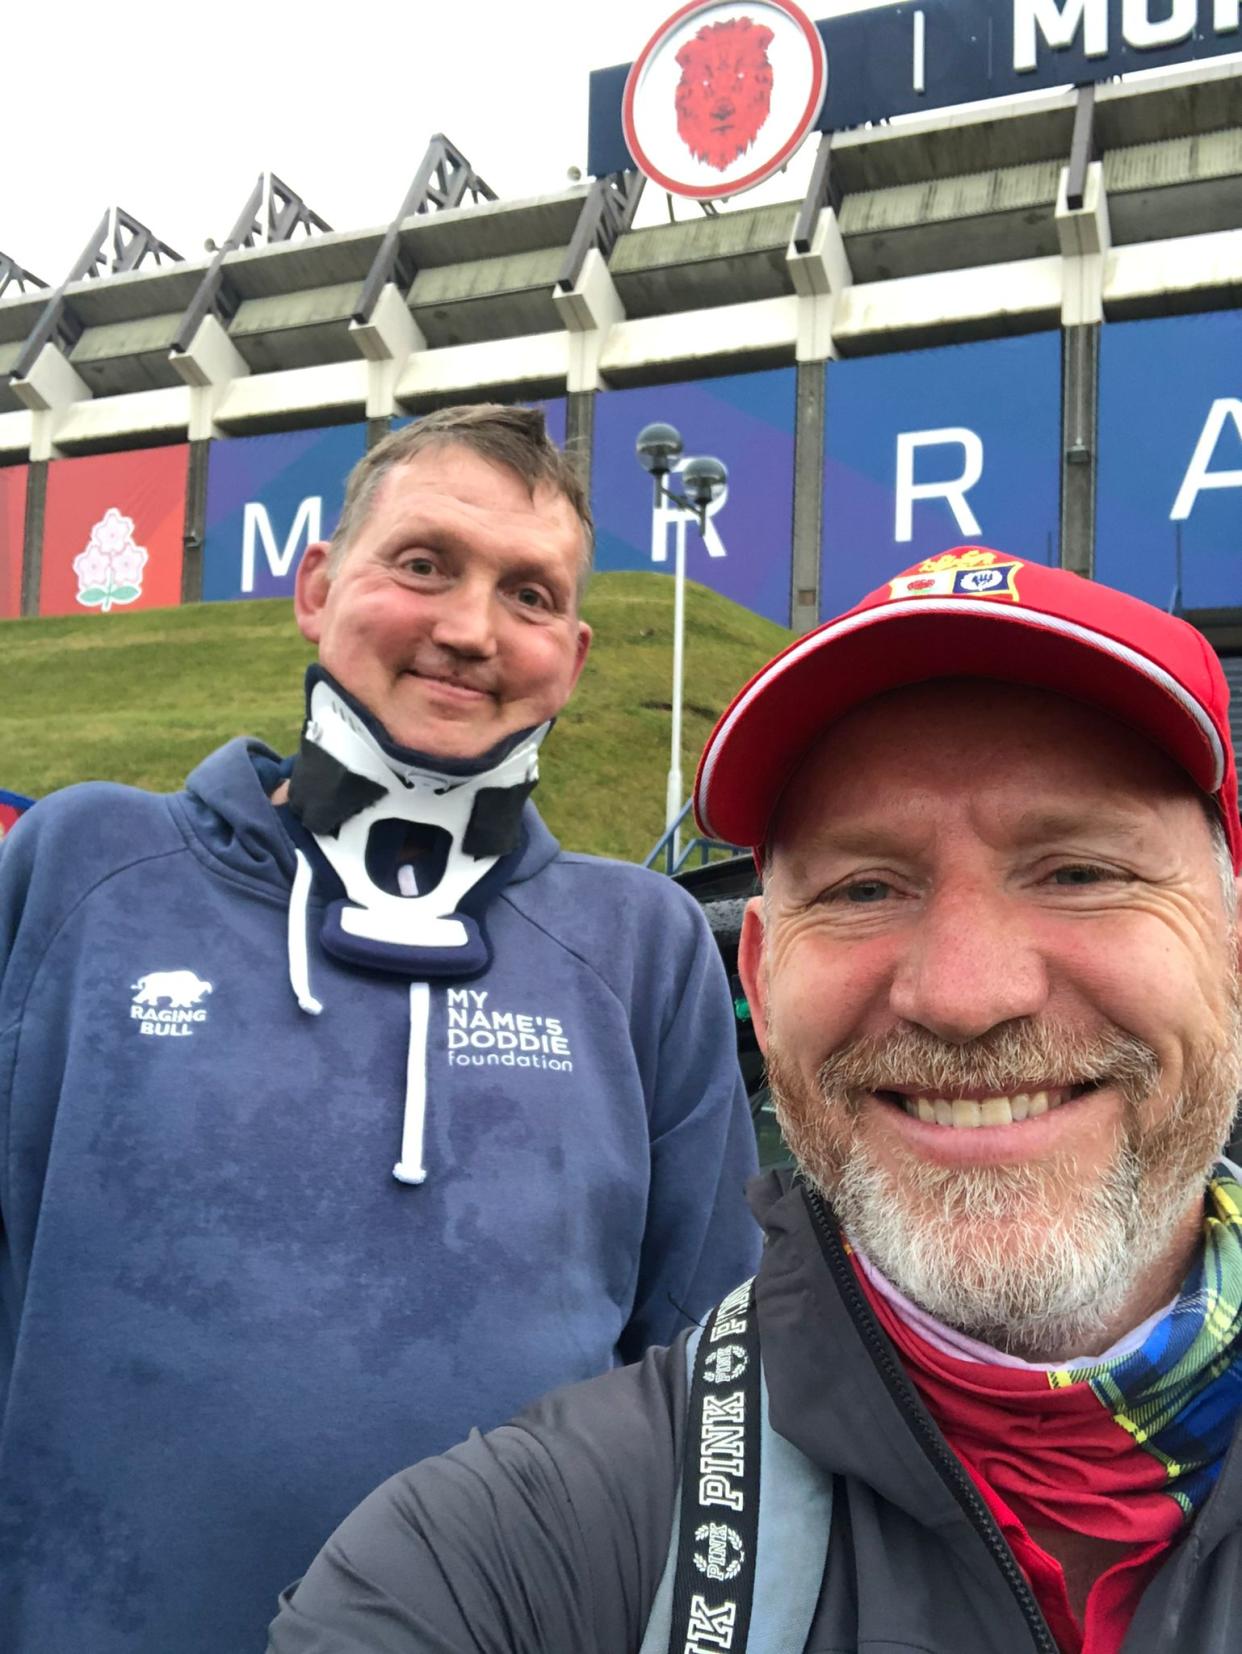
(344,1112)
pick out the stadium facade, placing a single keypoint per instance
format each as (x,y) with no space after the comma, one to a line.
(1018,322)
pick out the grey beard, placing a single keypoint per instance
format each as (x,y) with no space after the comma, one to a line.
(1037,1292)
(980,1248)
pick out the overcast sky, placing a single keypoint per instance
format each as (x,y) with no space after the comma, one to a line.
(171,111)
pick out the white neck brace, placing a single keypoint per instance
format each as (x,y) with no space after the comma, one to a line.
(349,779)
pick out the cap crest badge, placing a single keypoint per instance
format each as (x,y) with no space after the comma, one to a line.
(970,573)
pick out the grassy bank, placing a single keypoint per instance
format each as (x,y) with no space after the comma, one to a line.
(142,697)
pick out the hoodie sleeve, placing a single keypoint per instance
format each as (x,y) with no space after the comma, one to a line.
(13,875)
(50,862)
(29,909)
(700,1239)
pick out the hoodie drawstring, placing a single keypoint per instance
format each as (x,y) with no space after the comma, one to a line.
(410,1168)
(299,953)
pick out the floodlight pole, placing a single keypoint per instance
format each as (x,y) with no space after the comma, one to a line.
(673,797)
(658,448)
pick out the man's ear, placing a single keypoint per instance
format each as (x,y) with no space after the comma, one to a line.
(750,968)
(310,590)
(582,648)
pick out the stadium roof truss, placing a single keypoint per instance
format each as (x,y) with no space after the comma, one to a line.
(1054,209)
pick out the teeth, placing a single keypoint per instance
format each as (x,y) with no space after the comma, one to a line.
(964,1113)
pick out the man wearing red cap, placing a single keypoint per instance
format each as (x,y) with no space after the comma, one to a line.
(984,1392)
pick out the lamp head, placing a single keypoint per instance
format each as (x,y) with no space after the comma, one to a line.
(704,481)
(658,447)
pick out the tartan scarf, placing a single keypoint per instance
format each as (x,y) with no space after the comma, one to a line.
(1124,1449)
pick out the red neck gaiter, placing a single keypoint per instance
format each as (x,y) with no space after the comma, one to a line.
(1045,1457)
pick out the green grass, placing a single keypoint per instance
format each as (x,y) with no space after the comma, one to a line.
(142,697)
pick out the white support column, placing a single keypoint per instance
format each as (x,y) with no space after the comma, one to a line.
(589,313)
(208,367)
(387,340)
(1085,236)
(819,276)
(51,387)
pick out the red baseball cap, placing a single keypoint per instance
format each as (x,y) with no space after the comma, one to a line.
(973,613)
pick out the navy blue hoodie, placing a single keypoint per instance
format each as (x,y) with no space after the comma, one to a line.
(222,1321)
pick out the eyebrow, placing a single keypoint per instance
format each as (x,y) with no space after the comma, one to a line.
(1039,825)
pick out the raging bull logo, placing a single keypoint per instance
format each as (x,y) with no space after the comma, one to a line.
(166,1004)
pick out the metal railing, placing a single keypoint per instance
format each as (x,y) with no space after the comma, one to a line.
(675,859)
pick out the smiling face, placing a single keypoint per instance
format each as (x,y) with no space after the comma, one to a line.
(454,615)
(994,976)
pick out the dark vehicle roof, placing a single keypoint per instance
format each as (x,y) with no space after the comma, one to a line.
(722,889)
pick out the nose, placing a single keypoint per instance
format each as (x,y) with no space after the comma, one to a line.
(970,965)
(465,620)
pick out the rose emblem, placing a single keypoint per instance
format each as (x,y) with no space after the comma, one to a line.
(110,569)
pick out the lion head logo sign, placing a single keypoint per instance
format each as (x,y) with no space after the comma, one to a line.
(723,94)
(725,91)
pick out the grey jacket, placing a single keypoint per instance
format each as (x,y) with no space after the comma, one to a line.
(549,1535)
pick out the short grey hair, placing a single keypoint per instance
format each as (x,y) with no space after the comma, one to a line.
(1223,857)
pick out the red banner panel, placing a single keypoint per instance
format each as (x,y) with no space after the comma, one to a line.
(12,533)
(112,532)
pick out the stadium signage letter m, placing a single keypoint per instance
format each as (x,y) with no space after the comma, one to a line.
(257,531)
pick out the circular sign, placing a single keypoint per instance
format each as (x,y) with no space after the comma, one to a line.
(723,94)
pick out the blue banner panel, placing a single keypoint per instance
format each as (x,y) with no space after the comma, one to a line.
(268,497)
(746,420)
(1169,501)
(936,448)
(554,415)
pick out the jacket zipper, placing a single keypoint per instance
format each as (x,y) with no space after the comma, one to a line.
(951,1472)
